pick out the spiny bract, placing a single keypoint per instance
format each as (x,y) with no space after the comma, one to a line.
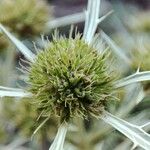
(69,78)
(25,18)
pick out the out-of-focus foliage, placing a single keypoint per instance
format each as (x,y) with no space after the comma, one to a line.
(3,42)
(138,39)
(26,119)
(3,135)
(25,18)
(136,42)
(140,22)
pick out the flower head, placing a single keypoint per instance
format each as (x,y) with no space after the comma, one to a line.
(70,78)
(25,18)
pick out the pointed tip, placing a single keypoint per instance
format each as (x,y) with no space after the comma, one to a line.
(138,69)
(20,46)
(134,146)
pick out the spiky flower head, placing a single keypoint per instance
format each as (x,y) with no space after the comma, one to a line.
(25,18)
(69,78)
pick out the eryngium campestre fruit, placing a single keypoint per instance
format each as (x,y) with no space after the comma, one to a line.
(70,78)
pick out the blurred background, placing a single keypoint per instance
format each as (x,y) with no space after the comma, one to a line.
(128,26)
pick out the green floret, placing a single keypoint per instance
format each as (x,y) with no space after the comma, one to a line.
(69,78)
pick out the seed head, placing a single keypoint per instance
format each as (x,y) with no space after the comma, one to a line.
(69,78)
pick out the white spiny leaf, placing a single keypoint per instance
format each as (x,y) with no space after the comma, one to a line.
(134,146)
(134,94)
(145,125)
(137,77)
(133,132)
(87,14)
(60,138)
(8,88)
(40,126)
(116,49)
(66,20)
(92,19)
(21,47)
(4,93)
(105,16)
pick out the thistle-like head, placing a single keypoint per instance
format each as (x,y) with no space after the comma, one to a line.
(70,78)
(25,18)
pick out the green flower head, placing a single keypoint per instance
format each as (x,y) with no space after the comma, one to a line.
(25,18)
(70,78)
